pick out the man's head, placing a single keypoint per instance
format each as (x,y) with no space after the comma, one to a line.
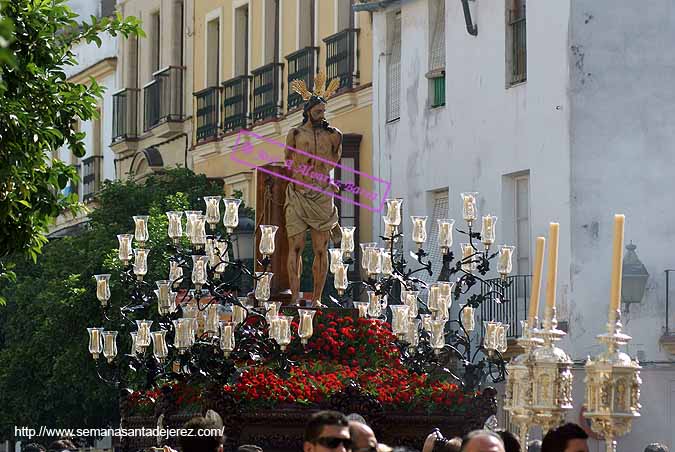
(511,443)
(656,447)
(33,447)
(482,441)
(314,110)
(327,431)
(566,438)
(363,437)
(211,423)
(436,442)
(62,444)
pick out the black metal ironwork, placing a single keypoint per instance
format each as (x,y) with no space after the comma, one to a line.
(513,307)
(266,92)
(208,112)
(668,272)
(91,176)
(301,66)
(235,103)
(163,97)
(341,57)
(125,114)
(518,26)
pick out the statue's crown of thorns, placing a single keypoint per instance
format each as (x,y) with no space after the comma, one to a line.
(320,89)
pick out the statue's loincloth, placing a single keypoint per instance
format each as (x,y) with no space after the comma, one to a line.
(310,209)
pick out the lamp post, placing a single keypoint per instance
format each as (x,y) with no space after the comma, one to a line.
(634,279)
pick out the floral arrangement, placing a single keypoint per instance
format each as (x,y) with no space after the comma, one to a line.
(342,351)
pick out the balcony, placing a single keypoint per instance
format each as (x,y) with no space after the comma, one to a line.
(91,176)
(266,92)
(125,120)
(163,101)
(301,66)
(513,308)
(235,103)
(208,114)
(342,58)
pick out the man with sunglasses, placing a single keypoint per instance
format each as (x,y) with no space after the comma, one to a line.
(327,431)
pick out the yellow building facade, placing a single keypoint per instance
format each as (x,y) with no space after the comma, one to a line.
(245,54)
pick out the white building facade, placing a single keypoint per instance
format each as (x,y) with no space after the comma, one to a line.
(553,111)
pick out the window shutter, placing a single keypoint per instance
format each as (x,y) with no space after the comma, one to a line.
(394,68)
(437,37)
(439,211)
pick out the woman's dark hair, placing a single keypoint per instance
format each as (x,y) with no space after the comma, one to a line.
(556,439)
(511,443)
(318,420)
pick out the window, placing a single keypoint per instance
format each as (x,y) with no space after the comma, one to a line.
(212,52)
(241,40)
(91,166)
(349,212)
(439,209)
(436,73)
(345,15)
(271,32)
(154,41)
(522,223)
(306,11)
(516,42)
(393,65)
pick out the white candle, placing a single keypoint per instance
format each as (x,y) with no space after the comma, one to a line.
(617,264)
(554,229)
(536,280)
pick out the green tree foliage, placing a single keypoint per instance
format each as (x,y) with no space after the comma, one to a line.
(38,106)
(47,376)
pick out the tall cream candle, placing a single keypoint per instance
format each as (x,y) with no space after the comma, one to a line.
(552,279)
(536,280)
(617,264)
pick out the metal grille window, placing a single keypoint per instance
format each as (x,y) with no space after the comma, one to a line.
(394,66)
(436,34)
(517,40)
(440,208)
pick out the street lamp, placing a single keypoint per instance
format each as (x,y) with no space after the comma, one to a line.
(635,276)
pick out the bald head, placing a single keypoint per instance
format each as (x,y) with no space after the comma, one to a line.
(482,441)
(363,437)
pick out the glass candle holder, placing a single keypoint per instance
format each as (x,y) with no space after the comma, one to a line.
(504,260)
(143,333)
(262,286)
(159,348)
(141,229)
(399,319)
(426,322)
(393,216)
(490,337)
(487,232)
(267,240)
(238,314)
(362,306)
(273,328)
(103,288)
(95,341)
(212,319)
(390,231)
(134,346)
(212,210)
(284,331)
(432,301)
(222,249)
(172,302)
(125,251)
(445,234)
(198,231)
(411,302)
(305,325)
(419,233)
(189,214)
(340,280)
(175,229)
(227,342)
(141,262)
(502,342)
(110,345)
(444,304)
(374,305)
(231,217)
(387,264)
(413,333)
(437,335)
(467,318)
(469,206)
(374,261)
(271,309)
(335,258)
(347,242)
(183,328)
(199,270)
(364,253)
(468,257)
(175,273)
(446,288)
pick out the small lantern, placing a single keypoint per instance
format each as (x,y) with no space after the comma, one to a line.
(227,342)
(267,245)
(635,276)
(262,287)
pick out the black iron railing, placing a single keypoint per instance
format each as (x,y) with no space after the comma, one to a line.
(341,57)
(163,97)
(208,112)
(513,308)
(266,91)
(301,66)
(91,176)
(125,114)
(668,272)
(518,26)
(235,103)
